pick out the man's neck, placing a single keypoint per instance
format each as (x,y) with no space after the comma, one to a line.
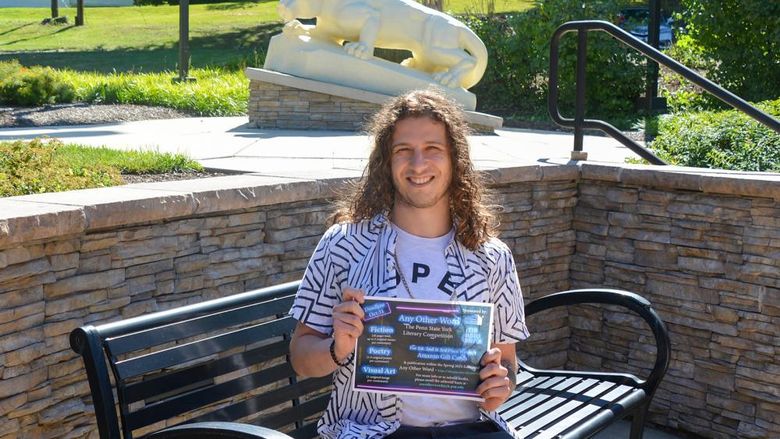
(426,223)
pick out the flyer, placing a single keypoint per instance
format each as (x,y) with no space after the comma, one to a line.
(422,347)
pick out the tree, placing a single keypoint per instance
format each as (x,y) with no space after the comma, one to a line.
(742,38)
(435,4)
(55,8)
(80,13)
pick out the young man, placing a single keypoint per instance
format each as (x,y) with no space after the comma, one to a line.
(415,227)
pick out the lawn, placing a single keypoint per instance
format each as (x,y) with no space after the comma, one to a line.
(51,166)
(144,38)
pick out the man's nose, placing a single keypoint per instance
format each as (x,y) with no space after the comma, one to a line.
(418,158)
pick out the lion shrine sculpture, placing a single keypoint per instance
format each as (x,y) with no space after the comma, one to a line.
(444,51)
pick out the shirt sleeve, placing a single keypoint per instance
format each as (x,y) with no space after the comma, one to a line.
(509,318)
(320,288)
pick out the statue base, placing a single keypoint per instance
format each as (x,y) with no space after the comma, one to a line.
(302,56)
(282,101)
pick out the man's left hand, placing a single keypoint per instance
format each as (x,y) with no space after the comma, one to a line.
(496,387)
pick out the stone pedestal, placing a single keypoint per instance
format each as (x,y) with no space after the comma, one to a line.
(282,101)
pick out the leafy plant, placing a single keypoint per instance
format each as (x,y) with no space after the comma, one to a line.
(33,167)
(50,166)
(519,46)
(31,86)
(738,42)
(720,139)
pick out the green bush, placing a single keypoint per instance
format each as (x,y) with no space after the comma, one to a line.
(216,92)
(740,42)
(720,140)
(31,86)
(34,167)
(519,48)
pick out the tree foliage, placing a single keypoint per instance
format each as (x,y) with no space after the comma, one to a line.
(742,38)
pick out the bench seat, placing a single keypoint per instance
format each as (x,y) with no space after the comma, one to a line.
(220,369)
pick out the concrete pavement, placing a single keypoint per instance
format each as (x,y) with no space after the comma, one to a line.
(229,144)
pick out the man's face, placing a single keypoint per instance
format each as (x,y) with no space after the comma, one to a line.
(420,163)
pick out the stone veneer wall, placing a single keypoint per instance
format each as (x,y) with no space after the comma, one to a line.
(706,252)
(150,247)
(278,106)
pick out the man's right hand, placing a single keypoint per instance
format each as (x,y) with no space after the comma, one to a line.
(348,321)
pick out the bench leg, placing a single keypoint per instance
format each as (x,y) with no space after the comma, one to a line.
(638,421)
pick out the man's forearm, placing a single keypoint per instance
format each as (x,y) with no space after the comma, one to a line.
(310,356)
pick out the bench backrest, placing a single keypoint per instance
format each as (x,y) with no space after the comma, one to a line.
(220,360)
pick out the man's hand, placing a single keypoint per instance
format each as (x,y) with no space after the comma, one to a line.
(348,322)
(496,386)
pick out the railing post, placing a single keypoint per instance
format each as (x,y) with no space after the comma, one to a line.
(579,103)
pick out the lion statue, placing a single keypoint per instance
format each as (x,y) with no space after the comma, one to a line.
(440,45)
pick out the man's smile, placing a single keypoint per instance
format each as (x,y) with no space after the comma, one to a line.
(420,180)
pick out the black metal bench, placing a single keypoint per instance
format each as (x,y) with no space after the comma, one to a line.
(192,372)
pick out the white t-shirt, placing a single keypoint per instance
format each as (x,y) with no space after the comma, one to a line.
(424,267)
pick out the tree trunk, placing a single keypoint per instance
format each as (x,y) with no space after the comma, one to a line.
(80,13)
(55,8)
(435,4)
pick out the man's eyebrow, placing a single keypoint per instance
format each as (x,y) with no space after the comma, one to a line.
(426,142)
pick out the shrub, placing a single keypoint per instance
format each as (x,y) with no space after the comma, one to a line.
(720,139)
(33,167)
(519,46)
(740,39)
(31,86)
(216,92)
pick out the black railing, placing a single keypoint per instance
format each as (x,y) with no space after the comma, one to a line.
(579,123)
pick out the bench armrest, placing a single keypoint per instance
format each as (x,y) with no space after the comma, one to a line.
(632,301)
(218,430)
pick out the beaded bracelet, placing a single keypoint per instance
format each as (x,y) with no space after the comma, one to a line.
(335,359)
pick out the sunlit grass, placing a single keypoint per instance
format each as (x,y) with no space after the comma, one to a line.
(127,162)
(215,92)
(40,166)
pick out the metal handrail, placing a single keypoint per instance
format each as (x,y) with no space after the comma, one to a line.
(579,123)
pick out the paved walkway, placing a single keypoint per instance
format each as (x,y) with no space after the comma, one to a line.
(227,143)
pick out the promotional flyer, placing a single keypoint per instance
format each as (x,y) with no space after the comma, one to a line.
(422,347)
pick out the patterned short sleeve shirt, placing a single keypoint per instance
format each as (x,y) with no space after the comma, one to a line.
(361,255)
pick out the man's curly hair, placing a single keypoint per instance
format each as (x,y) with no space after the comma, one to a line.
(375,193)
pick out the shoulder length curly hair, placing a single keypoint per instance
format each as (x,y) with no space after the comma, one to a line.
(374,193)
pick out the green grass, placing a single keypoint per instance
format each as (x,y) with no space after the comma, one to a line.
(145,38)
(127,162)
(42,166)
(215,92)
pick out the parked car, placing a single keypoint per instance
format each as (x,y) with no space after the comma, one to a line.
(636,20)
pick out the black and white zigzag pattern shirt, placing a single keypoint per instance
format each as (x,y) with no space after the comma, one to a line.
(361,256)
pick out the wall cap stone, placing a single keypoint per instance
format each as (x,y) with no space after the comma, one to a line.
(762,184)
(42,216)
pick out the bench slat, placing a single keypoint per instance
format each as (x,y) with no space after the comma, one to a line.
(208,395)
(540,404)
(308,431)
(269,399)
(202,348)
(198,325)
(577,411)
(519,396)
(296,413)
(169,382)
(537,418)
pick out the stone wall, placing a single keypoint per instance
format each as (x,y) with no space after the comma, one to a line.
(706,252)
(279,106)
(144,248)
(704,248)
